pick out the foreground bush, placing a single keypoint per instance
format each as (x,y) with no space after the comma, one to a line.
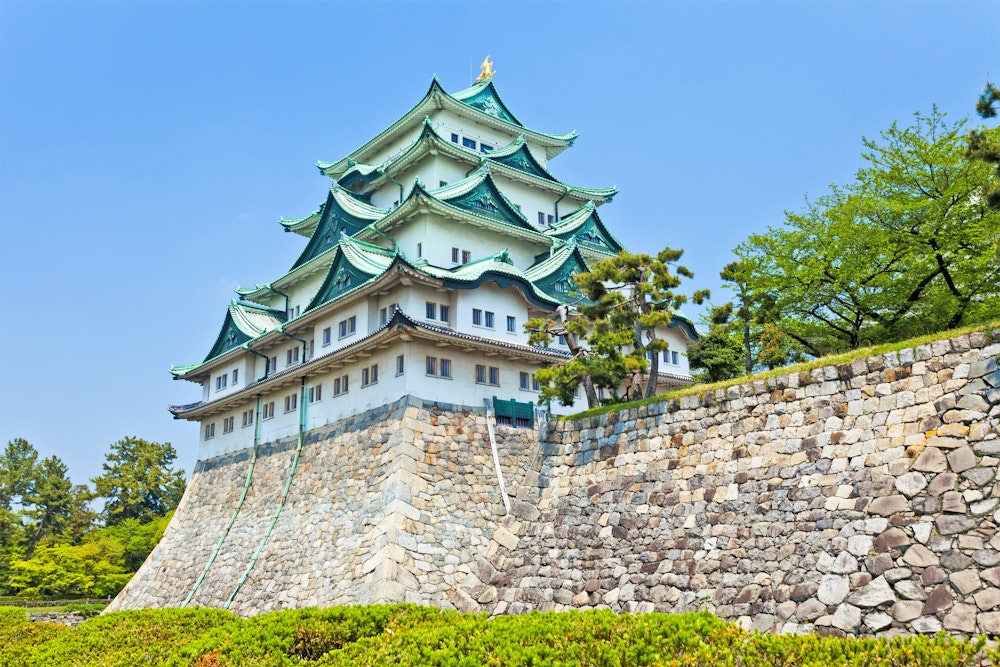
(412,635)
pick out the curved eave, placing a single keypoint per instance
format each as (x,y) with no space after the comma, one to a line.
(420,201)
(567,228)
(685,325)
(303,226)
(435,100)
(298,274)
(399,326)
(504,279)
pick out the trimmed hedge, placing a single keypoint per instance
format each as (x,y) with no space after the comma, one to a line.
(413,635)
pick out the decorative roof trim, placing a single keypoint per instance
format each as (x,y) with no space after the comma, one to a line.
(397,326)
(437,98)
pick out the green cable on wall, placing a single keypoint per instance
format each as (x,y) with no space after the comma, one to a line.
(236,511)
(284,496)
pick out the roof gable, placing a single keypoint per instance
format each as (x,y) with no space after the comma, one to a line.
(354,264)
(484,97)
(341,214)
(584,227)
(243,322)
(517,156)
(554,274)
(479,194)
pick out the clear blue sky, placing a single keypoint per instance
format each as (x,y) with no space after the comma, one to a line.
(147,150)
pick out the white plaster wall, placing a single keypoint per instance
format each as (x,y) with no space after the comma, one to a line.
(501,302)
(440,236)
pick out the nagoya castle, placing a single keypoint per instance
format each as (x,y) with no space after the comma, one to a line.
(438,240)
(367,418)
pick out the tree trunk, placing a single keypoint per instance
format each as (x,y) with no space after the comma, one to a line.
(576,349)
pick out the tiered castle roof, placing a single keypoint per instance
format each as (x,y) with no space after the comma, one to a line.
(352,244)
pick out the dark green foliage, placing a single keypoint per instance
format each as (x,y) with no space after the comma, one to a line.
(139,481)
(985,145)
(611,332)
(418,636)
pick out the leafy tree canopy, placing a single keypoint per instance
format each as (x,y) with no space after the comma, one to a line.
(139,481)
(907,248)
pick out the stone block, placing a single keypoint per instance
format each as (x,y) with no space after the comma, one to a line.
(918,555)
(888,505)
(966,581)
(833,589)
(847,618)
(906,610)
(931,460)
(961,459)
(874,594)
(911,483)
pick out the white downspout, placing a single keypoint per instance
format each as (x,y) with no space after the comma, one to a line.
(496,456)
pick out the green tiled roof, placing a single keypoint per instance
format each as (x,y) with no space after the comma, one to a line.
(435,99)
(484,97)
(478,194)
(554,274)
(354,264)
(243,322)
(585,227)
(341,214)
(497,268)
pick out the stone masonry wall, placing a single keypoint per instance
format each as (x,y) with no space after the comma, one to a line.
(393,505)
(853,499)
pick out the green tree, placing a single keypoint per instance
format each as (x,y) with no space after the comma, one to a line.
(984,144)
(17,466)
(624,299)
(139,481)
(49,501)
(909,247)
(718,354)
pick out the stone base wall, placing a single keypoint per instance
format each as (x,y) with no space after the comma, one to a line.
(393,505)
(853,499)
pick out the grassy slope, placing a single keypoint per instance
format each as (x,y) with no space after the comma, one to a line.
(829,360)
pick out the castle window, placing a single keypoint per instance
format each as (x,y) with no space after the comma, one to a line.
(489,320)
(248,418)
(268,410)
(400,364)
(326,336)
(340,385)
(561,340)
(466,257)
(310,349)
(446,368)
(444,313)
(236,375)
(486,375)
(431,311)
(524,380)
(454,255)
(420,250)
(273,364)
(541,218)
(291,402)
(209,431)
(454,138)
(220,382)
(484,148)
(673,356)
(292,356)
(477,317)
(316,393)
(511,324)
(549,218)
(227,424)
(469,143)
(559,287)
(369,376)
(528,382)
(383,315)
(441,184)
(432,365)
(293,312)
(348,327)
